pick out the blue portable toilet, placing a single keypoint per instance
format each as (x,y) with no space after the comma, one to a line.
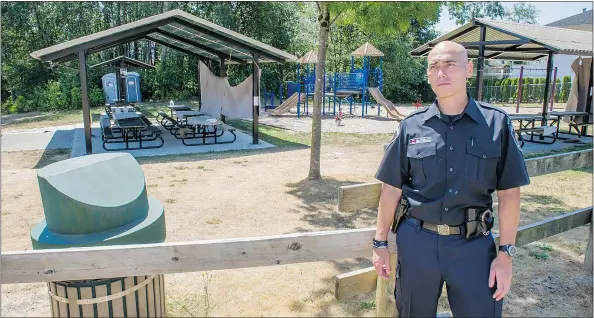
(110,88)
(133,87)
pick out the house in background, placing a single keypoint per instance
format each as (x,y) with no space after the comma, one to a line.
(581,21)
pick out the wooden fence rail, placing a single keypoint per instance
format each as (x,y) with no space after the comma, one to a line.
(164,258)
(366,195)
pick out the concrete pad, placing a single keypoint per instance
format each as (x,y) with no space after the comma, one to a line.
(172,145)
(37,140)
(531,147)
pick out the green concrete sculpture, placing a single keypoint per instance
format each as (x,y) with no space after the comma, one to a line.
(96,200)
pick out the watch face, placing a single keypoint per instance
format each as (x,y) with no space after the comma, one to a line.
(511,250)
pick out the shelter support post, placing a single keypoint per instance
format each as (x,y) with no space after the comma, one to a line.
(222,73)
(588,104)
(256,98)
(480,62)
(84,90)
(547,88)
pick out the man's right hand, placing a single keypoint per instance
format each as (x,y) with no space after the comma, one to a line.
(381,262)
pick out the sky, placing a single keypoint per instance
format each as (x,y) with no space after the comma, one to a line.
(549,12)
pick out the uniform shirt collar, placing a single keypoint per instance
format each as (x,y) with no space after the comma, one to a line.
(471,110)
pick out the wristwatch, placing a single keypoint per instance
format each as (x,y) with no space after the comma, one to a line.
(508,249)
(380,244)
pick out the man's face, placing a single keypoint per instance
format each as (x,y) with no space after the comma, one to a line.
(447,70)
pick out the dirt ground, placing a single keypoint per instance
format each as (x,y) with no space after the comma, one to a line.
(256,194)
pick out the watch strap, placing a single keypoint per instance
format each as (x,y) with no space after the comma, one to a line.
(506,249)
(380,244)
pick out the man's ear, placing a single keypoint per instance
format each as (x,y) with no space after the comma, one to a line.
(469,69)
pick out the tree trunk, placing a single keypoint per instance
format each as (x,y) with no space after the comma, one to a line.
(316,125)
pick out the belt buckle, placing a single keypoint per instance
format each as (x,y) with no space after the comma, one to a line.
(443,229)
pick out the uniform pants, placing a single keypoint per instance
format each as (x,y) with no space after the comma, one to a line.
(426,260)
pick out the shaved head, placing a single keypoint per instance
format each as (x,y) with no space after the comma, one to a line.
(453,48)
(448,68)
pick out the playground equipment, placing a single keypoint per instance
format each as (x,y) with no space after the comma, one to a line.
(357,81)
(100,200)
(388,105)
(337,86)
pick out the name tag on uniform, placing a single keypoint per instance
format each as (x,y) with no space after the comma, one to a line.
(420,140)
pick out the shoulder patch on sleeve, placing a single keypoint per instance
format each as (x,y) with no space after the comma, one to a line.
(512,132)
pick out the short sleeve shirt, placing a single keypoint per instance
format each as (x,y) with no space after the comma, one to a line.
(445,166)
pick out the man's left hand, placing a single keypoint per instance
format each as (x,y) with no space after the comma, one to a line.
(501,271)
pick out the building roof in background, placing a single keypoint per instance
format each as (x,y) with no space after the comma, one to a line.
(175,29)
(515,41)
(580,21)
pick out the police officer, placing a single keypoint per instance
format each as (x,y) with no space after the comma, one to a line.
(443,164)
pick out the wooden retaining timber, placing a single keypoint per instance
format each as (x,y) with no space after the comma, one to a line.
(366,195)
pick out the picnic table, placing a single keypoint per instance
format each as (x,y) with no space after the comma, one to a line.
(120,116)
(183,114)
(572,123)
(177,108)
(203,125)
(527,126)
(135,125)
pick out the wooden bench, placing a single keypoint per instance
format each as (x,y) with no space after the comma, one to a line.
(533,130)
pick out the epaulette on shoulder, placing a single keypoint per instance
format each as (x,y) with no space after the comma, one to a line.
(416,112)
(492,107)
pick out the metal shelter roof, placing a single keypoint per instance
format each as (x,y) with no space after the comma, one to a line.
(176,29)
(126,62)
(515,41)
(367,49)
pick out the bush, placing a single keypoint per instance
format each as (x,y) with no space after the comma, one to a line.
(96,97)
(565,88)
(13,106)
(557,90)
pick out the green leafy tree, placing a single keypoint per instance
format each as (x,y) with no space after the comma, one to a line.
(557,90)
(565,88)
(522,13)
(464,12)
(387,18)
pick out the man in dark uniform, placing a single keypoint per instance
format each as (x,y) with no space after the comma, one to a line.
(445,162)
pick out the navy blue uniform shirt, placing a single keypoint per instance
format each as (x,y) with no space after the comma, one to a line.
(445,167)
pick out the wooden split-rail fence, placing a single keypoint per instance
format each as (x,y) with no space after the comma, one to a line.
(205,255)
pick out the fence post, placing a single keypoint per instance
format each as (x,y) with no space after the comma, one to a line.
(588,257)
(520,89)
(553,89)
(385,304)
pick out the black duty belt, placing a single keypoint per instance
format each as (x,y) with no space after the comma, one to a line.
(441,229)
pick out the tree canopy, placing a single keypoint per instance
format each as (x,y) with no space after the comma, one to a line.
(393,27)
(464,11)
